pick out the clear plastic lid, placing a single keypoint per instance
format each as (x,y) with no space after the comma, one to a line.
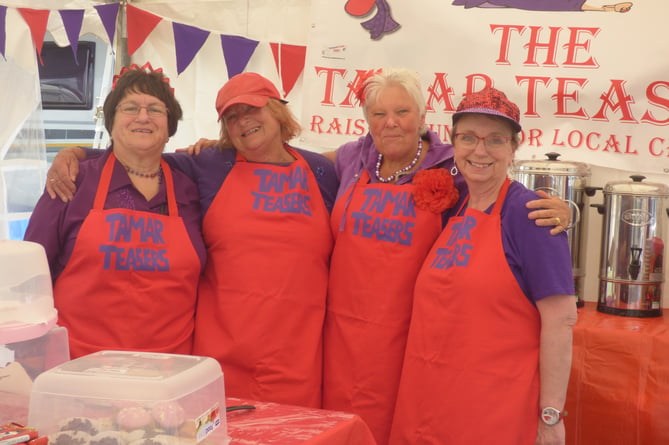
(129,375)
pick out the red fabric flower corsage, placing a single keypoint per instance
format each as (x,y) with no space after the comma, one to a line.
(434,190)
(361,84)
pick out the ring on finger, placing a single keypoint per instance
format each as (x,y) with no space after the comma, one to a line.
(558,221)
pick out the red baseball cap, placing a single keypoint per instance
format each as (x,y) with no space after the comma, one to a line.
(489,101)
(245,88)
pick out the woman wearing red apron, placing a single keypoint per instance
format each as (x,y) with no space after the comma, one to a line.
(395,182)
(262,297)
(126,252)
(381,239)
(489,348)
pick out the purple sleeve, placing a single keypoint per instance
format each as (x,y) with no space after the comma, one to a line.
(44,228)
(56,224)
(349,162)
(540,261)
(188,201)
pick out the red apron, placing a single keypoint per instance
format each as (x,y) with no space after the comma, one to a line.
(471,370)
(131,281)
(262,297)
(376,258)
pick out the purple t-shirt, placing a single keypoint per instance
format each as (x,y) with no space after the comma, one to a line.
(541,262)
(55,224)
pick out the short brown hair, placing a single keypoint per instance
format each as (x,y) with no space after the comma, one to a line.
(153,83)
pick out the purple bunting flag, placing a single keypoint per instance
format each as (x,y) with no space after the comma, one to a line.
(187,42)
(237,52)
(72,20)
(108,14)
(3,30)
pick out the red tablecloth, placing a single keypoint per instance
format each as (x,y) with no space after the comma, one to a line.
(619,386)
(271,423)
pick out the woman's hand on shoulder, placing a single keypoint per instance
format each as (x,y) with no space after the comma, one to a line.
(197,147)
(63,172)
(550,211)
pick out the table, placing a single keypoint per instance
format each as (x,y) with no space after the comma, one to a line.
(271,423)
(619,386)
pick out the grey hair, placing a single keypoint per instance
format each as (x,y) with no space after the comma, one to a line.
(407,79)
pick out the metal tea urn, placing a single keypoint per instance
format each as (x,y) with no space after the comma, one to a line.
(631,273)
(568,180)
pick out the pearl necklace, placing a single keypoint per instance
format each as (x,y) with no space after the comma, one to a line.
(140,174)
(404,169)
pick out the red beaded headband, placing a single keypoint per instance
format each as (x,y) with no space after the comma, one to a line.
(146,68)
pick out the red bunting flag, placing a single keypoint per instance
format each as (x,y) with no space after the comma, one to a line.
(289,60)
(37,20)
(140,25)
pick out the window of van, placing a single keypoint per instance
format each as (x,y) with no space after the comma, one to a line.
(66,83)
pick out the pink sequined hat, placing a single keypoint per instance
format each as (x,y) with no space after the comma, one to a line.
(489,101)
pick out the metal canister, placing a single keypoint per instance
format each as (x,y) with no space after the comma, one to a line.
(631,273)
(568,180)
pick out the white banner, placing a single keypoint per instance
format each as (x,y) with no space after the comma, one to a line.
(591,85)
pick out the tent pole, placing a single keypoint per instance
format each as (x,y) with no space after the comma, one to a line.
(122,59)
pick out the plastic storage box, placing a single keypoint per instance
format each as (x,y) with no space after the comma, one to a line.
(20,363)
(134,398)
(30,342)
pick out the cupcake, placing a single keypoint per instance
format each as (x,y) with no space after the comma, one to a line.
(84,424)
(161,439)
(133,418)
(108,438)
(168,415)
(70,438)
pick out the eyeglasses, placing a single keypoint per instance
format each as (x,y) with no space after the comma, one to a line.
(469,140)
(131,109)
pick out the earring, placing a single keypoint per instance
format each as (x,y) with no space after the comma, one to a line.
(454,170)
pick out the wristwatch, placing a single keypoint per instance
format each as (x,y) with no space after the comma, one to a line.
(552,416)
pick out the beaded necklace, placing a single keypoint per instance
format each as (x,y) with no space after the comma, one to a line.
(140,174)
(404,169)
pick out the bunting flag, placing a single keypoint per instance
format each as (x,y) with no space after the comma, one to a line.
(140,25)
(187,42)
(289,61)
(237,52)
(108,14)
(37,20)
(72,20)
(3,30)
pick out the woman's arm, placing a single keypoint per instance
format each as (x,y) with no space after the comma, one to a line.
(63,173)
(558,317)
